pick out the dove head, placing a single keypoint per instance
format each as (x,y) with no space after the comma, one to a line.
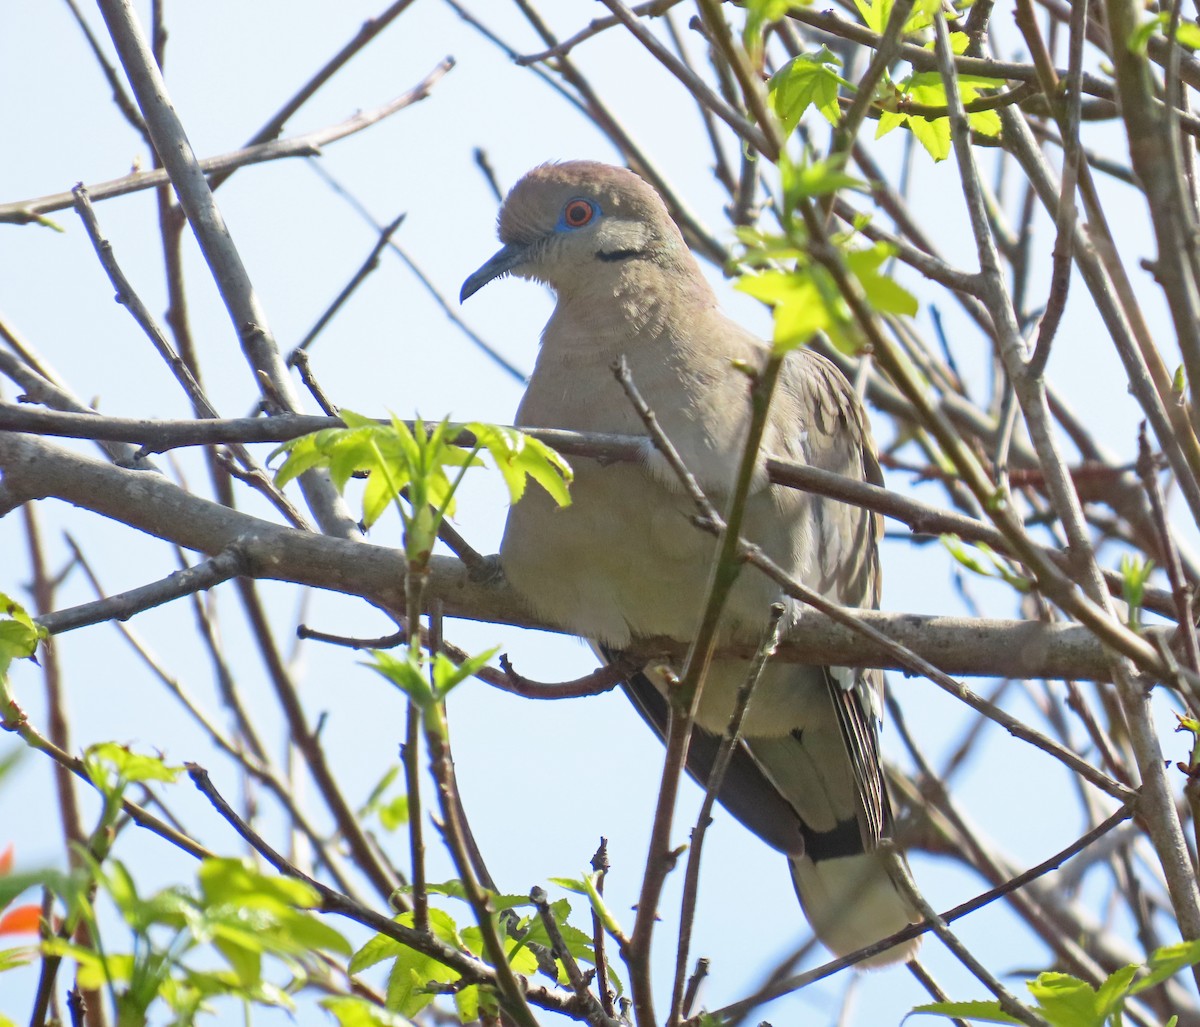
(577,224)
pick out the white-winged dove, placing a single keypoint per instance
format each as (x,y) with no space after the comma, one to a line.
(625,559)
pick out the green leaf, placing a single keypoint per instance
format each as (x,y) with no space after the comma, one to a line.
(577,942)
(1188,34)
(764,249)
(242,948)
(309,933)
(128,766)
(519,957)
(406,672)
(1110,998)
(72,887)
(119,883)
(586,885)
(1065,1000)
(381,788)
(1135,573)
(819,178)
(413,970)
(466,1003)
(90,965)
(351,1011)
(374,951)
(394,458)
(239,882)
(1140,38)
(1168,961)
(989,1012)
(454,889)
(985,123)
(448,675)
(874,13)
(10,959)
(394,814)
(997,566)
(889,120)
(807,80)
(760,13)
(407,984)
(922,16)
(19,635)
(884,293)
(519,456)
(933,135)
(798,302)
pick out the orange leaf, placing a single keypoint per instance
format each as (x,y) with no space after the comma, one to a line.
(21,920)
(6,860)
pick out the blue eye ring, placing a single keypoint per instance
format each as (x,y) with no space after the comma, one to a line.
(577,213)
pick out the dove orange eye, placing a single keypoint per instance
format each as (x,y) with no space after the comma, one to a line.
(577,213)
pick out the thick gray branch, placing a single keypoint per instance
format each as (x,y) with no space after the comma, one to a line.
(35,469)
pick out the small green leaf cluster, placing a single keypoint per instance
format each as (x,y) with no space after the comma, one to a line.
(812,80)
(19,638)
(1066,1001)
(238,913)
(112,768)
(807,80)
(805,298)
(1135,573)
(877,13)
(1192,726)
(1187,33)
(925,88)
(419,470)
(415,979)
(392,810)
(587,885)
(980,558)
(423,464)
(408,673)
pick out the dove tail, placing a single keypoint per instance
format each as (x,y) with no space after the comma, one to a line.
(851,902)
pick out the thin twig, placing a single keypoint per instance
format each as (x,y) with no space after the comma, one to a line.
(684,697)
(13,719)
(600,867)
(1180,591)
(447,308)
(246,312)
(473,970)
(595,1013)
(368,31)
(360,276)
(651,9)
(781,984)
(1007,1000)
(716,777)
(23,212)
